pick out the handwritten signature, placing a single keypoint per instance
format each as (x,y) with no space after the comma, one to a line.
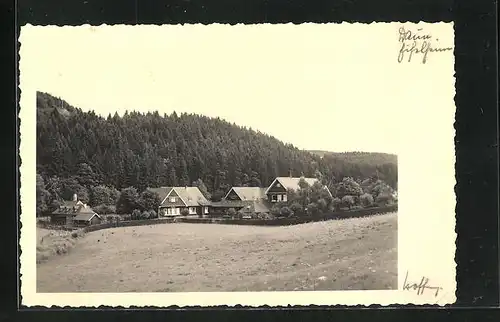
(417,43)
(420,287)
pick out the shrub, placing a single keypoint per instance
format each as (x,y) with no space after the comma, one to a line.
(348,201)
(184,212)
(312,208)
(322,204)
(266,216)
(336,203)
(105,209)
(275,210)
(145,214)
(285,211)
(383,199)
(366,200)
(231,212)
(152,214)
(136,214)
(296,208)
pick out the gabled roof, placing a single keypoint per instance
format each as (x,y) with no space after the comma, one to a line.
(191,196)
(85,216)
(291,182)
(71,208)
(249,193)
(86,210)
(67,210)
(161,191)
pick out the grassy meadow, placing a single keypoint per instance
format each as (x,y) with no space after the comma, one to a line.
(350,254)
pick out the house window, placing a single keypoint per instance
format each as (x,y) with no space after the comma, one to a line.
(192,210)
(284,198)
(206,210)
(279,197)
(172,199)
(278,185)
(274,198)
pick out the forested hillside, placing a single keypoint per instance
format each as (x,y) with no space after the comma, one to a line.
(142,150)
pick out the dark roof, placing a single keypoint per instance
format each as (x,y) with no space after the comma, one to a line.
(85,216)
(73,210)
(67,210)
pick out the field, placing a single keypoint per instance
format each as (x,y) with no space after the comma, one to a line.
(332,255)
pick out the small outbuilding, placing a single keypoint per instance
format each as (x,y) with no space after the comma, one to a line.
(87,219)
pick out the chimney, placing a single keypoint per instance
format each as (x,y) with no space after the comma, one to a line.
(75,197)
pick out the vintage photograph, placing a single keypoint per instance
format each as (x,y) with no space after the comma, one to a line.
(227,160)
(170,201)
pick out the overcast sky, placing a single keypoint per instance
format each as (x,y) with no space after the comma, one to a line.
(316,90)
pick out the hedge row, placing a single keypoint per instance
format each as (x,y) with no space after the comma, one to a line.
(295,220)
(130,223)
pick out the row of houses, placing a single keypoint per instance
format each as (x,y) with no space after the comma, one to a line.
(245,200)
(175,200)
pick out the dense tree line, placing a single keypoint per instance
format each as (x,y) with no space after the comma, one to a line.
(95,157)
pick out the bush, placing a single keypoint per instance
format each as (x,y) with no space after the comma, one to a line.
(185,212)
(145,214)
(136,214)
(275,210)
(366,200)
(348,201)
(336,203)
(312,209)
(105,209)
(322,204)
(296,208)
(285,211)
(383,199)
(109,218)
(266,216)
(152,214)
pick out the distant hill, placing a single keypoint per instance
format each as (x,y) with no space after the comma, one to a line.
(150,149)
(377,157)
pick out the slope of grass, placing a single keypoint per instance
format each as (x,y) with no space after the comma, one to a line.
(346,254)
(54,242)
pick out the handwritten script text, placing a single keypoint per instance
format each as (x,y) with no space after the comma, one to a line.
(417,43)
(421,286)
